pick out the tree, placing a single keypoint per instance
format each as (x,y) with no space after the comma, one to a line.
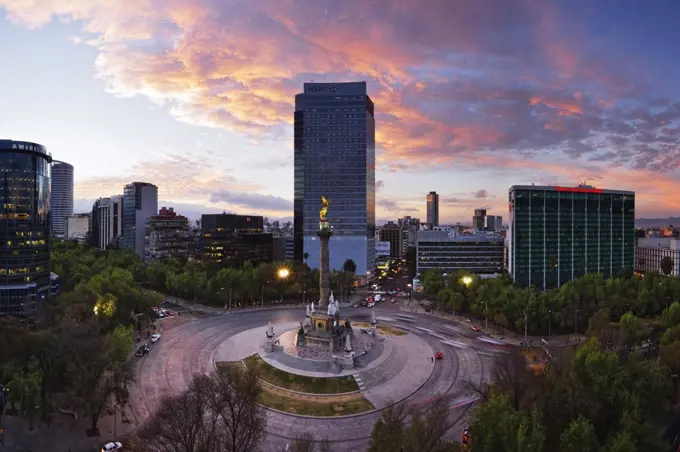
(667,265)
(349,266)
(305,257)
(425,432)
(219,412)
(96,363)
(579,437)
(25,390)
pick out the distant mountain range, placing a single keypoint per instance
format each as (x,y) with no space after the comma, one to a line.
(657,222)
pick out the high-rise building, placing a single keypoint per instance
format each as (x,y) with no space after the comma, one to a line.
(393,233)
(231,240)
(62,196)
(107,222)
(167,235)
(24,227)
(140,201)
(334,140)
(432,209)
(77,227)
(557,234)
(479,219)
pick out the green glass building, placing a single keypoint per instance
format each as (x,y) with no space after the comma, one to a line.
(557,234)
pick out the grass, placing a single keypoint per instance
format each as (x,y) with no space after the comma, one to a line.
(332,385)
(384,329)
(310,405)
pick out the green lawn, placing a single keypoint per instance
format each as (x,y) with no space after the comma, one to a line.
(330,408)
(332,385)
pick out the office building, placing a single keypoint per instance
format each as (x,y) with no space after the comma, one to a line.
(334,140)
(479,219)
(432,209)
(140,201)
(493,223)
(24,227)
(393,233)
(167,235)
(107,222)
(448,251)
(61,198)
(283,249)
(231,240)
(557,234)
(651,252)
(77,227)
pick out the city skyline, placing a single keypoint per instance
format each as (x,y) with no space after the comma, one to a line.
(470,99)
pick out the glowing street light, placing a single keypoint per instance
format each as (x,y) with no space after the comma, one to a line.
(283,273)
(467,280)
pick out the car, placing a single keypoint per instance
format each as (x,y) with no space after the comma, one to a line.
(111,446)
(143,350)
(355,305)
(371,304)
(466,440)
(438,355)
(393,300)
(155,337)
(364,302)
(475,329)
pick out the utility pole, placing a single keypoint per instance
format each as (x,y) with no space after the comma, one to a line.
(230,300)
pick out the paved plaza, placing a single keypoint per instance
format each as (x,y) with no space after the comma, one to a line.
(401,368)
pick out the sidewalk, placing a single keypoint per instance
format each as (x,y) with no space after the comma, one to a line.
(496,331)
(195,307)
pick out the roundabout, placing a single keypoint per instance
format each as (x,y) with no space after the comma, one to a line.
(397,368)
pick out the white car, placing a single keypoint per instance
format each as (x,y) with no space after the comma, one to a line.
(154,338)
(109,447)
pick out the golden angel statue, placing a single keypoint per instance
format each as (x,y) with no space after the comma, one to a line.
(324,208)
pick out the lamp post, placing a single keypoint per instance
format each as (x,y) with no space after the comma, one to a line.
(486,318)
(304,294)
(549,320)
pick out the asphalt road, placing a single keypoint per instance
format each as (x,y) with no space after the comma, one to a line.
(187,349)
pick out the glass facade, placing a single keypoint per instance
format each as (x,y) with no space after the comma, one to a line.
(480,254)
(231,240)
(560,233)
(24,227)
(334,139)
(140,201)
(61,196)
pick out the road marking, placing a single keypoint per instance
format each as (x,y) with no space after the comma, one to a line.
(424,329)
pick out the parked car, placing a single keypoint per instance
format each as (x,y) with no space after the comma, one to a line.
(155,337)
(112,446)
(143,350)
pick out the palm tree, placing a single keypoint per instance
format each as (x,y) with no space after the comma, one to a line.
(305,257)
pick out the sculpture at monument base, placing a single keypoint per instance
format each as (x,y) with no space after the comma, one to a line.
(272,344)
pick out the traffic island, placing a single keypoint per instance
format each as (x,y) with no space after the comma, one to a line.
(319,404)
(299,383)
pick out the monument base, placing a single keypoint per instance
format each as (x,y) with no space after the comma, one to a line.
(346,361)
(272,346)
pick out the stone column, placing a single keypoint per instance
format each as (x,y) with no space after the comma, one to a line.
(324,271)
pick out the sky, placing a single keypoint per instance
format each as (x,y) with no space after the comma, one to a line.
(471,97)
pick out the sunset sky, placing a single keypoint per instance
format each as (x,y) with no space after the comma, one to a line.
(472,96)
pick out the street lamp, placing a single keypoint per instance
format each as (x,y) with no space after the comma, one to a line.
(283,273)
(466,280)
(549,320)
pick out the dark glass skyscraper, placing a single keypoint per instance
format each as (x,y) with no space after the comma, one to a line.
(557,234)
(335,156)
(24,226)
(432,209)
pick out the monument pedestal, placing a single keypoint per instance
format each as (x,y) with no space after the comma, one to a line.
(272,346)
(347,361)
